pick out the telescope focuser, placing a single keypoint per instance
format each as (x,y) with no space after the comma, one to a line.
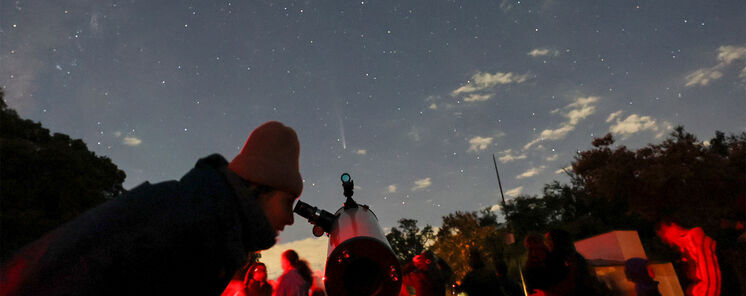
(322,220)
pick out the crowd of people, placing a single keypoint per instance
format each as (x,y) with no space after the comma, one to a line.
(552,267)
(297,279)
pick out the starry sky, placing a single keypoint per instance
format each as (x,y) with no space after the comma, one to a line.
(412,98)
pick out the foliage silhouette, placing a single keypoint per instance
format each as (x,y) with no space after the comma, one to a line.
(407,240)
(462,232)
(46,180)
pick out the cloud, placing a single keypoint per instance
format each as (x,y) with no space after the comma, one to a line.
(433,106)
(614,115)
(576,115)
(506,6)
(495,208)
(392,188)
(562,170)
(555,134)
(663,129)
(361,152)
(576,111)
(414,134)
(478,143)
(131,141)
(727,54)
(482,81)
(477,98)
(632,125)
(514,192)
(540,52)
(311,249)
(552,158)
(508,156)
(702,77)
(531,172)
(421,184)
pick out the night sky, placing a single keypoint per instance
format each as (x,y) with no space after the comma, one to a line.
(412,98)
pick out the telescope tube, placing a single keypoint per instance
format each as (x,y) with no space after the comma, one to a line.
(359,259)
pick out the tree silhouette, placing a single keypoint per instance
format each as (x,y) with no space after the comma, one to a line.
(407,240)
(680,180)
(46,180)
(462,232)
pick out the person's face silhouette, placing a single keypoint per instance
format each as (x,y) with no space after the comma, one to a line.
(278,208)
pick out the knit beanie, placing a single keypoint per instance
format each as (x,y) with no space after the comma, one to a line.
(270,157)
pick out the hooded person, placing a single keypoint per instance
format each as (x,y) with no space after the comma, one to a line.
(184,237)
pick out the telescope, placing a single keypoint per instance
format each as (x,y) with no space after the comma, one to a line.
(359,260)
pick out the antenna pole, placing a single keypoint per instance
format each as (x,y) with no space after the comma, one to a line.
(498,179)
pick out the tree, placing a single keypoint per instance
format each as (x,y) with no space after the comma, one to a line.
(408,240)
(46,180)
(462,232)
(525,214)
(680,180)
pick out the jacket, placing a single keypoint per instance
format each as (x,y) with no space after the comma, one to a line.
(183,237)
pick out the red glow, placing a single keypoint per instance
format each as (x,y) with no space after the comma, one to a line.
(698,250)
(20,267)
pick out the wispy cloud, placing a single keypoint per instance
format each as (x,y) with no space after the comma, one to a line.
(562,170)
(506,6)
(508,156)
(414,134)
(361,152)
(664,128)
(727,54)
(477,98)
(531,172)
(633,124)
(613,116)
(422,184)
(552,158)
(703,76)
(392,188)
(495,208)
(575,112)
(131,141)
(482,81)
(514,192)
(477,144)
(540,52)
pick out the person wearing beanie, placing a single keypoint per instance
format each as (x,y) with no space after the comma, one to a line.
(181,237)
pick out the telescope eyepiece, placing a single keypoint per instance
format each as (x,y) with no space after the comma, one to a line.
(320,218)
